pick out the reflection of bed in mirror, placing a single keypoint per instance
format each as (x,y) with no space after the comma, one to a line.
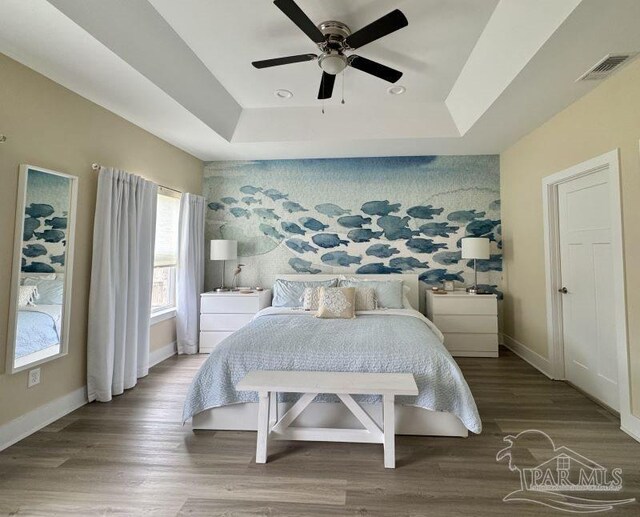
(38,332)
(39,318)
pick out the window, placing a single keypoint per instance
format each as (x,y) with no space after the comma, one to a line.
(564,463)
(163,294)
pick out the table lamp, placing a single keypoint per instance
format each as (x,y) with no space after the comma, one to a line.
(223,250)
(476,248)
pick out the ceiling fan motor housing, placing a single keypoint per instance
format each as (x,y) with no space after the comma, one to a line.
(335,29)
(332,60)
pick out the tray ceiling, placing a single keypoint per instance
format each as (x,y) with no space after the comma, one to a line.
(479,74)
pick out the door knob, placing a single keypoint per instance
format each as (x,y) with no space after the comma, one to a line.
(563,290)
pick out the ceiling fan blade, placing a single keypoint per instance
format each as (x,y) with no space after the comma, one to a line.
(297,16)
(371,67)
(266,63)
(326,86)
(389,23)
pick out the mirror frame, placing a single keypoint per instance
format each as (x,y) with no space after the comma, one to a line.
(17,266)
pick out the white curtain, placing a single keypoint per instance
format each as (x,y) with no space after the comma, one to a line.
(121,282)
(190,278)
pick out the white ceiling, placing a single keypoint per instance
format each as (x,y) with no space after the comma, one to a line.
(479,73)
(228,36)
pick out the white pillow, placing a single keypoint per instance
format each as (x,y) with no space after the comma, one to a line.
(365,299)
(405,298)
(311,298)
(27,295)
(37,276)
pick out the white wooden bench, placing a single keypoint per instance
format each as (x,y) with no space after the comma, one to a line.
(343,384)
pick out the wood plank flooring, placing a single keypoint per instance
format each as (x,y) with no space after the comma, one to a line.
(133,457)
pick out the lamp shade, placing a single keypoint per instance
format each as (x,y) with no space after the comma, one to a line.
(475,248)
(224,250)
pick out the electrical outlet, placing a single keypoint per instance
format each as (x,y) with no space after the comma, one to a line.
(34,377)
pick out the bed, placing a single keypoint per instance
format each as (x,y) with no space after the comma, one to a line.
(389,340)
(38,327)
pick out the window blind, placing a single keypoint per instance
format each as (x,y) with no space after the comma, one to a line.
(166,250)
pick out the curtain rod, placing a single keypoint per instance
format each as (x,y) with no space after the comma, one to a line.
(96,167)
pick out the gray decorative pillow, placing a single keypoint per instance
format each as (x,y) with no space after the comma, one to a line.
(337,303)
(290,293)
(388,292)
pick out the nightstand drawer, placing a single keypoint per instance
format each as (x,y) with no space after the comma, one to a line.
(478,305)
(234,304)
(466,324)
(222,322)
(209,340)
(471,343)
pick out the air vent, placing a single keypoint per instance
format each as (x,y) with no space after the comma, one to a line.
(605,67)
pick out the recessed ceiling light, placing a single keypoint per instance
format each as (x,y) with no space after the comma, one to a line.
(283,94)
(396,90)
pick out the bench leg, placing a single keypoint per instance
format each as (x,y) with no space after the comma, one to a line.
(273,409)
(263,426)
(389,423)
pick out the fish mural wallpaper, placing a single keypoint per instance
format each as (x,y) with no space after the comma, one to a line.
(45,223)
(357,216)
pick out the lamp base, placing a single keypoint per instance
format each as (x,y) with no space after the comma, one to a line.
(222,289)
(477,290)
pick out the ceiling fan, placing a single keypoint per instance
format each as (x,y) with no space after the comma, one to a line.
(334,39)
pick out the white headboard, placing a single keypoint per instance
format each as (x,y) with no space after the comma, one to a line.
(408,279)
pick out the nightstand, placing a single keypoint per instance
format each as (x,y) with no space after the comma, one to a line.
(469,322)
(221,314)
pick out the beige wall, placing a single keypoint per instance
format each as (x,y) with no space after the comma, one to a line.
(49,126)
(162,333)
(606,119)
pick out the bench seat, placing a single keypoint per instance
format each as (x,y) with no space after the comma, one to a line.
(269,383)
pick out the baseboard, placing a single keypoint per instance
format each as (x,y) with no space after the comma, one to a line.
(533,358)
(631,425)
(160,354)
(33,421)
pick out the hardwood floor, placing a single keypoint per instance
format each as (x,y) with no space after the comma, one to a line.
(133,457)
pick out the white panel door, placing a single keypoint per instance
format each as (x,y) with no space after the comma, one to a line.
(587,274)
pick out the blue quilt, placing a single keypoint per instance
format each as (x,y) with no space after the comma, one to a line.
(393,341)
(35,331)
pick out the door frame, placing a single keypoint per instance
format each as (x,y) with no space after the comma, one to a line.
(550,203)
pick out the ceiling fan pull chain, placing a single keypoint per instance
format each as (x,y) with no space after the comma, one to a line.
(323,106)
(344,77)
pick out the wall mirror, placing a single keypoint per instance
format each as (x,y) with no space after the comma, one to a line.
(42,267)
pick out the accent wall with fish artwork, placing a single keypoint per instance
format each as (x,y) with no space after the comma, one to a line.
(45,223)
(357,215)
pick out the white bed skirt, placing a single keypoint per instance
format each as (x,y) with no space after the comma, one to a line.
(409,420)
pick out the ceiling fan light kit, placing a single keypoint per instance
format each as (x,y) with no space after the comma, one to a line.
(332,63)
(335,43)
